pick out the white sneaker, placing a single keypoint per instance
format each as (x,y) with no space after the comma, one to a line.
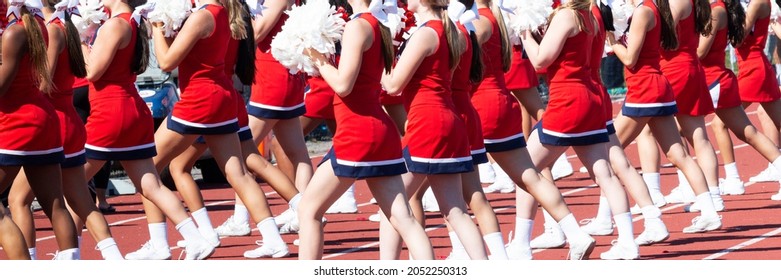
(776,196)
(596,227)
(561,168)
(67,255)
(376,217)
(718,204)
(285,217)
(458,255)
(703,224)
(619,251)
(265,251)
(581,249)
(553,237)
(732,186)
(429,201)
(583,169)
(213,240)
(233,227)
(515,251)
(655,232)
(487,174)
(198,250)
(770,174)
(345,204)
(291,227)
(681,194)
(149,252)
(500,186)
(373,201)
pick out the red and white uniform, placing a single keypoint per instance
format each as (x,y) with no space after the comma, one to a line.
(500,112)
(29,127)
(648,91)
(319,99)
(241,108)
(276,94)
(756,77)
(721,80)
(208,100)
(522,74)
(120,125)
(366,143)
(597,51)
(683,71)
(72,130)
(434,142)
(573,97)
(462,88)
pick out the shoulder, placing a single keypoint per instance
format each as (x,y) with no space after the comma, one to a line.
(15,33)
(115,24)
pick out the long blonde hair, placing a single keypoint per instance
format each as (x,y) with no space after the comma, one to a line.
(455,42)
(37,51)
(578,5)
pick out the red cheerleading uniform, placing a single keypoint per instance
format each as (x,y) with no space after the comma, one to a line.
(461,88)
(366,143)
(597,51)
(120,125)
(29,128)
(648,91)
(522,74)
(385,98)
(208,101)
(276,94)
(72,130)
(573,97)
(500,112)
(319,99)
(757,81)
(683,71)
(434,142)
(241,108)
(721,81)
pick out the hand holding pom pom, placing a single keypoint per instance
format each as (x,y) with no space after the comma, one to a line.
(316,26)
(528,14)
(171,13)
(90,16)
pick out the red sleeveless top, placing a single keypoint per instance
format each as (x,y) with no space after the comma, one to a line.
(206,61)
(754,43)
(492,56)
(118,76)
(64,80)
(688,41)
(431,82)
(717,52)
(648,60)
(572,65)
(598,46)
(461,82)
(366,91)
(231,57)
(24,86)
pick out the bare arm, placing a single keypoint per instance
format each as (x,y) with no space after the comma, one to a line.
(562,26)
(755,11)
(264,24)
(356,40)
(56,45)
(14,46)
(114,33)
(719,22)
(681,9)
(776,28)
(483,29)
(643,20)
(423,43)
(170,53)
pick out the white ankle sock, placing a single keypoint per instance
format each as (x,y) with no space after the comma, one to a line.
(201,217)
(293,203)
(651,212)
(33,252)
(777,164)
(652,181)
(189,231)
(495,244)
(109,250)
(523,232)
(705,202)
(731,171)
(455,242)
(571,228)
(682,181)
(270,233)
(69,254)
(603,210)
(158,234)
(240,213)
(624,225)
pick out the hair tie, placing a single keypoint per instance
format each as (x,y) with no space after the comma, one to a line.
(143,11)
(33,6)
(387,13)
(65,6)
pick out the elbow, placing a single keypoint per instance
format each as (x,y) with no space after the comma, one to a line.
(343,91)
(92,76)
(166,67)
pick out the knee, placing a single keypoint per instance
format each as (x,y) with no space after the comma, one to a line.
(18,202)
(676,155)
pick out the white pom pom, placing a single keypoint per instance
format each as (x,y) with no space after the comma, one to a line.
(775,11)
(315,25)
(530,14)
(91,15)
(171,13)
(513,34)
(622,11)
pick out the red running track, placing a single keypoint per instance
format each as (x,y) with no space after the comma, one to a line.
(751,225)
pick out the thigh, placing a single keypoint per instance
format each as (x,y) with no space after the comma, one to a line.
(542,155)
(628,128)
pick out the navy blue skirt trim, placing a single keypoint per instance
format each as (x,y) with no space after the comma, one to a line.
(75,161)
(664,109)
(54,157)
(265,112)
(505,144)
(574,139)
(135,153)
(362,170)
(437,166)
(479,157)
(183,127)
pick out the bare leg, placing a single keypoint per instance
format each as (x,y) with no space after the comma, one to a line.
(50,196)
(399,116)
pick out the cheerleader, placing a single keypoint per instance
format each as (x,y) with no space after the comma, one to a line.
(650,99)
(118,53)
(373,154)
(756,83)
(277,98)
(66,63)
(30,128)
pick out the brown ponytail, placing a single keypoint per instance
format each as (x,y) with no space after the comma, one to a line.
(239,15)
(455,42)
(669,36)
(476,70)
(73,43)
(387,48)
(37,51)
(703,22)
(141,53)
(736,19)
(506,45)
